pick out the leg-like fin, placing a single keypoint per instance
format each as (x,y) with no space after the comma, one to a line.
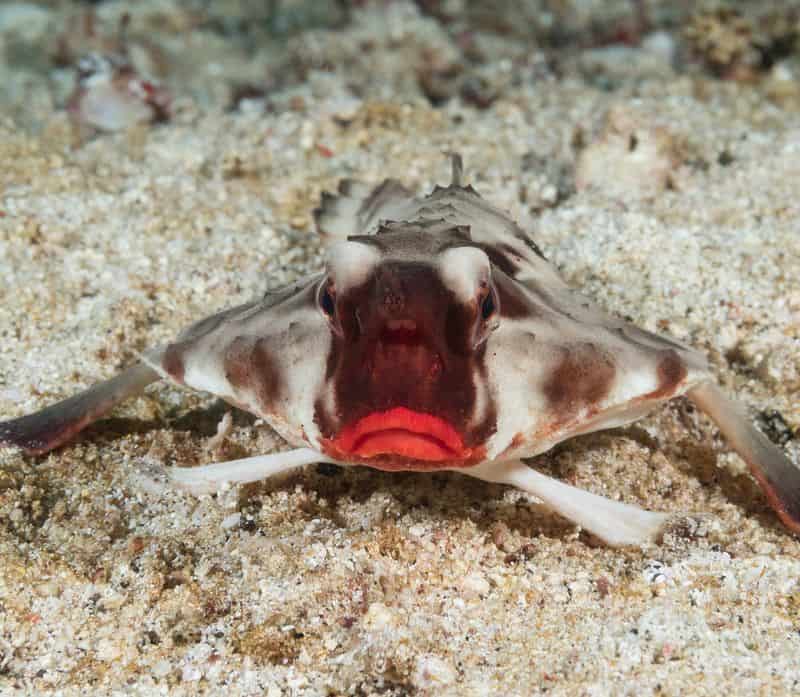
(778,477)
(53,426)
(613,522)
(207,479)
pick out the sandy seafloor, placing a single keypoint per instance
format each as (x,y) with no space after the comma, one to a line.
(330,582)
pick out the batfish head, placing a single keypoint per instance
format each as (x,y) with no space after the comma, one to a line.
(410,315)
(434,343)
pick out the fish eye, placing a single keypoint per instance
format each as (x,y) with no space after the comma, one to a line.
(488,306)
(326,302)
(326,299)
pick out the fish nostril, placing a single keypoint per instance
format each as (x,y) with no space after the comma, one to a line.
(393,303)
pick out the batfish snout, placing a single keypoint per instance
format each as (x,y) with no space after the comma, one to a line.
(403,369)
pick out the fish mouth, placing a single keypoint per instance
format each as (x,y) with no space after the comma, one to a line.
(402,432)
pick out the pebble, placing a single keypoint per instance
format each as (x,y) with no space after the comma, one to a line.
(431,671)
(641,156)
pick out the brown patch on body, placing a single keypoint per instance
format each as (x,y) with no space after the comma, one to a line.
(516,442)
(582,378)
(173,361)
(250,368)
(671,372)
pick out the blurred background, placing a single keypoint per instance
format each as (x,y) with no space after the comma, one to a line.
(268,54)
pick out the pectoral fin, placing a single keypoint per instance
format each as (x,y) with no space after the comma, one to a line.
(777,475)
(207,479)
(613,522)
(54,425)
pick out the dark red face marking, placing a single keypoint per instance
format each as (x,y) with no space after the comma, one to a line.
(404,373)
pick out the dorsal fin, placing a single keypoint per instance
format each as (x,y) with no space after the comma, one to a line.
(458,169)
(359,208)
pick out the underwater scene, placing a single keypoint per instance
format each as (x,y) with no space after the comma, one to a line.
(395,347)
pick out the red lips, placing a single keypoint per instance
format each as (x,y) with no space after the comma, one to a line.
(402,432)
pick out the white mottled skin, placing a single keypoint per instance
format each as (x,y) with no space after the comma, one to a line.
(297,332)
(523,405)
(351,263)
(463,270)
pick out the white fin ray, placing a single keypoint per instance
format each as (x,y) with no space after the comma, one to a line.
(206,479)
(613,522)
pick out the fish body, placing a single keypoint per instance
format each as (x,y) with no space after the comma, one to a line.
(436,337)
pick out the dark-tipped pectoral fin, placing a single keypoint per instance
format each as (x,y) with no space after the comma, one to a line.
(774,471)
(55,425)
